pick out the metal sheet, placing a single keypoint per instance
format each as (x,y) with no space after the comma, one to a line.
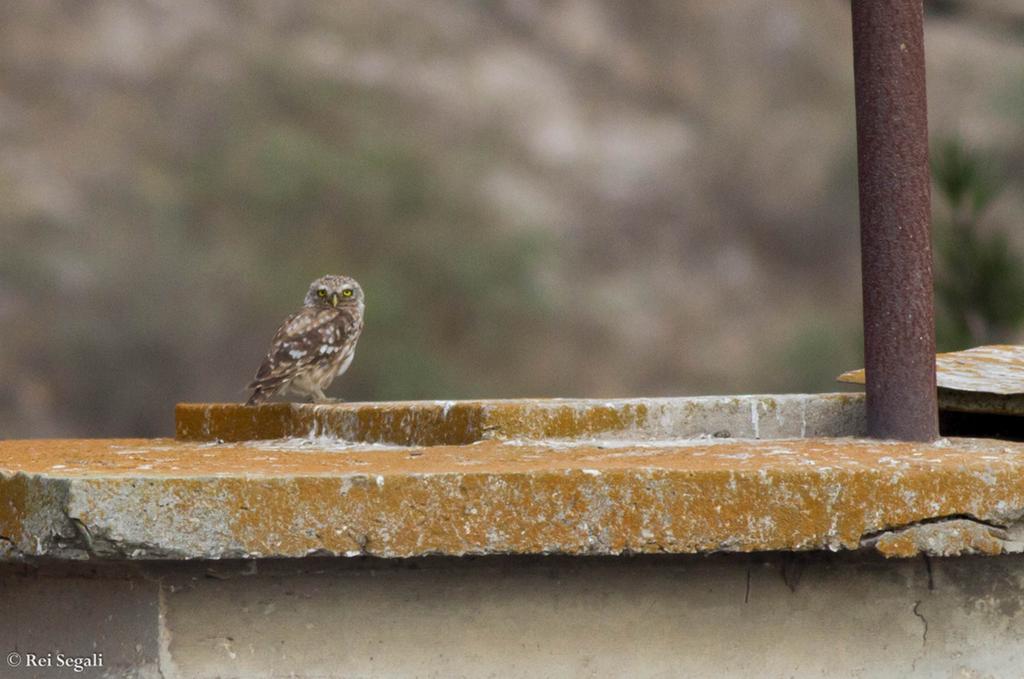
(986,379)
(997,369)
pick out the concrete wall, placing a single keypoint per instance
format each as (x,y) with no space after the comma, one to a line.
(724,616)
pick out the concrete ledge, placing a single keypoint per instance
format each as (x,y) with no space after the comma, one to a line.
(429,423)
(625,491)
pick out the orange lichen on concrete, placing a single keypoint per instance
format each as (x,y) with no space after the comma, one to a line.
(421,423)
(14,505)
(293,497)
(427,423)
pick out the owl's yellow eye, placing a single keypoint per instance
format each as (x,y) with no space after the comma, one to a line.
(321,293)
(346,293)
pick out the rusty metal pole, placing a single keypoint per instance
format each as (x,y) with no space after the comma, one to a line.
(895,219)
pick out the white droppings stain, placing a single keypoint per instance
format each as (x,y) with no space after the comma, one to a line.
(735,456)
(380,481)
(226,645)
(318,444)
(591,472)
(615,443)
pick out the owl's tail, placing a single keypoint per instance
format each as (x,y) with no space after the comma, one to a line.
(264,388)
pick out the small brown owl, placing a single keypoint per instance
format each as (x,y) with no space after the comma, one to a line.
(315,344)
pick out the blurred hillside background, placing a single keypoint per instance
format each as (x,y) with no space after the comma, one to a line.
(541,198)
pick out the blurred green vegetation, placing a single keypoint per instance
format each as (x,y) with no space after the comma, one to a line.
(979,284)
(819,349)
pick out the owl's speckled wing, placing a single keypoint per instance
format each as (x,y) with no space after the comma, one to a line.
(310,341)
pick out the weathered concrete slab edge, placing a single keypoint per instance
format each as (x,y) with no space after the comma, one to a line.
(961,497)
(426,423)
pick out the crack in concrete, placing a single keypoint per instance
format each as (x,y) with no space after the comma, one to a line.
(948,535)
(84,535)
(924,620)
(924,634)
(7,546)
(97,544)
(874,535)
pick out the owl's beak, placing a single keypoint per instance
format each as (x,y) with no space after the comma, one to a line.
(335,299)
